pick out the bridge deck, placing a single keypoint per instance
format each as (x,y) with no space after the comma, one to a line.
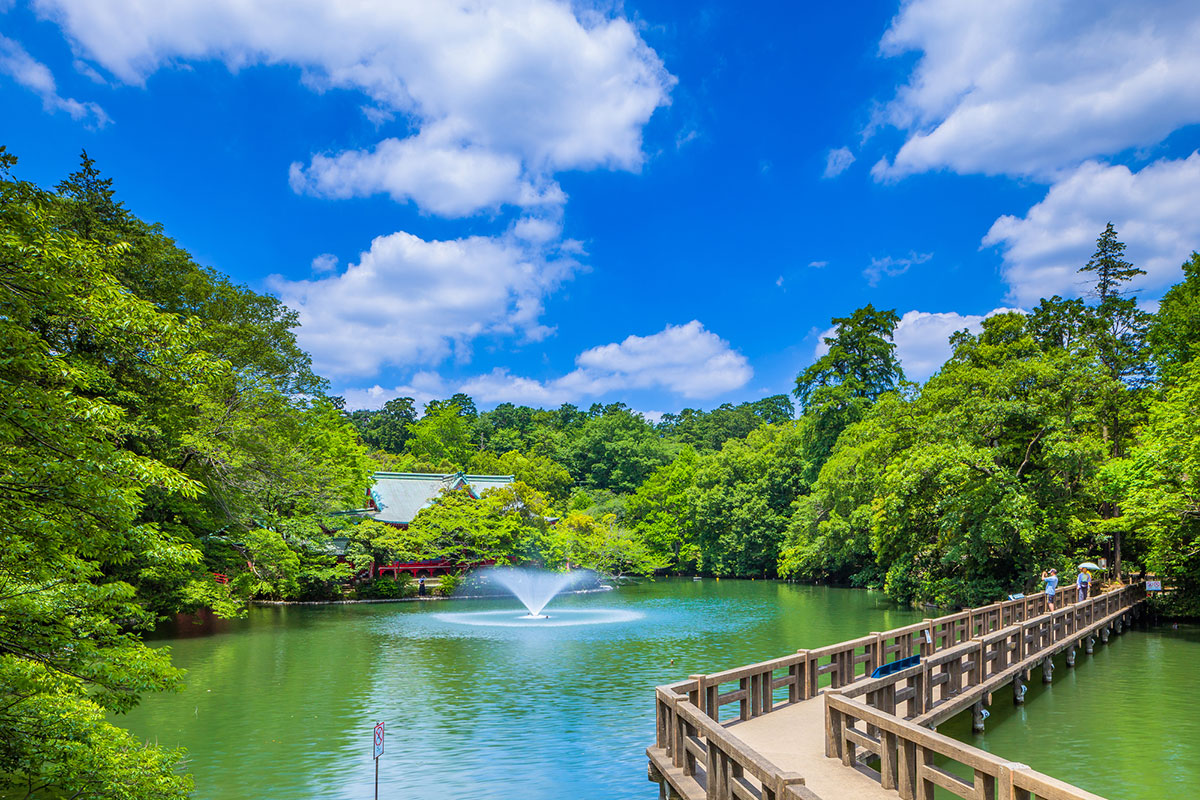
(793,737)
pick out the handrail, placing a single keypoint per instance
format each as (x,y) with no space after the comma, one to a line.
(703,750)
(907,753)
(963,656)
(906,748)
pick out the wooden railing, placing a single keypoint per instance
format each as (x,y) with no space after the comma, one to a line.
(908,756)
(710,759)
(963,656)
(894,710)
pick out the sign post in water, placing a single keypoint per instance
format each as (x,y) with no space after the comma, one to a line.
(378,753)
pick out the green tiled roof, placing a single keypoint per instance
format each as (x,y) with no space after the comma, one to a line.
(400,495)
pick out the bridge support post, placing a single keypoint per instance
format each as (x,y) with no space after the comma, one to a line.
(1048,669)
(978,715)
(1104,635)
(1120,625)
(1071,657)
(1018,689)
(1089,644)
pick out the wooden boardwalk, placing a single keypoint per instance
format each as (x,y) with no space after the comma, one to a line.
(815,726)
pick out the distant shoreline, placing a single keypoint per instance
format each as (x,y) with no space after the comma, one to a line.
(415,599)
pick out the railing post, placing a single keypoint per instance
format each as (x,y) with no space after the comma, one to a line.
(785,780)
(906,769)
(1005,788)
(833,730)
(713,773)
(887,759)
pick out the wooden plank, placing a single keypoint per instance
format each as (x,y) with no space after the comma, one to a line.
(946,780)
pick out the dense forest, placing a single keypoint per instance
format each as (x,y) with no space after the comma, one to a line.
(160,424)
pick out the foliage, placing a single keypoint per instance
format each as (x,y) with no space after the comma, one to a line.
(448,585)
(860,366)
(442,435)
(1174,335)
(743,496)
(387,588)
(1160,486)
(78,353)
(615,450)
(660,510)
(1109,265)
(605,546)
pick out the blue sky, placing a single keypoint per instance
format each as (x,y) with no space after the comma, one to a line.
(657,202)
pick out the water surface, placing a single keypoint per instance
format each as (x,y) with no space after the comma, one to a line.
(281,705)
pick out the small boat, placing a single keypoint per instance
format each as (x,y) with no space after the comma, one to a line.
(697,578)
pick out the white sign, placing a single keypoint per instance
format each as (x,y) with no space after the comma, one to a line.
(1153,586)
(379,740)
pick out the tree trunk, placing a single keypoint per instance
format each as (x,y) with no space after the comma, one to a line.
(1117,555)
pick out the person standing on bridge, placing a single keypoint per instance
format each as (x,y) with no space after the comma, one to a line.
(1051,579)
(1083,582)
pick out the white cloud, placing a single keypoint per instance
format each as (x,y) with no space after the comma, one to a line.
(818,264)
(1156,212)
(37,77)
(922,338)
(423,387)
(504,93)
(891,266)
(409,301)
(326,262)
(684,359)
(1023,87)
(451,179)
(837,162)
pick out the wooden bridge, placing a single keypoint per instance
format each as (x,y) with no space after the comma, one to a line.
(815,725)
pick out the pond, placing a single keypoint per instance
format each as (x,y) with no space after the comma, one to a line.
(282,704)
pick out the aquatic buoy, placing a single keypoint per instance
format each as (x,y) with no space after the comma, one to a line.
(984,713)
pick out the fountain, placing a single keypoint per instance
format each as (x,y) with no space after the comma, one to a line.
(534,587)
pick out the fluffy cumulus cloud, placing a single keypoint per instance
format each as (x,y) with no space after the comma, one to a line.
(1022,87)
(688,360)
(35,76)
(499,96)
(409,301)
(1155,210)
(923,338)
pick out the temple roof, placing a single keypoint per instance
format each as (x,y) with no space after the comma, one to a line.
(398,496)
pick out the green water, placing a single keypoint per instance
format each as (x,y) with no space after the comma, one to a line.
(1123,723)
(281,705)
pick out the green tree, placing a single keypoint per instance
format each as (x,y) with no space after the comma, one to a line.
(389,428)
(605,546)
(743,498)
(1159,485)
(1109,265)
(616,450)
(841,385)
(661,511)
(70,337)
(442,435)
(1174,335)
